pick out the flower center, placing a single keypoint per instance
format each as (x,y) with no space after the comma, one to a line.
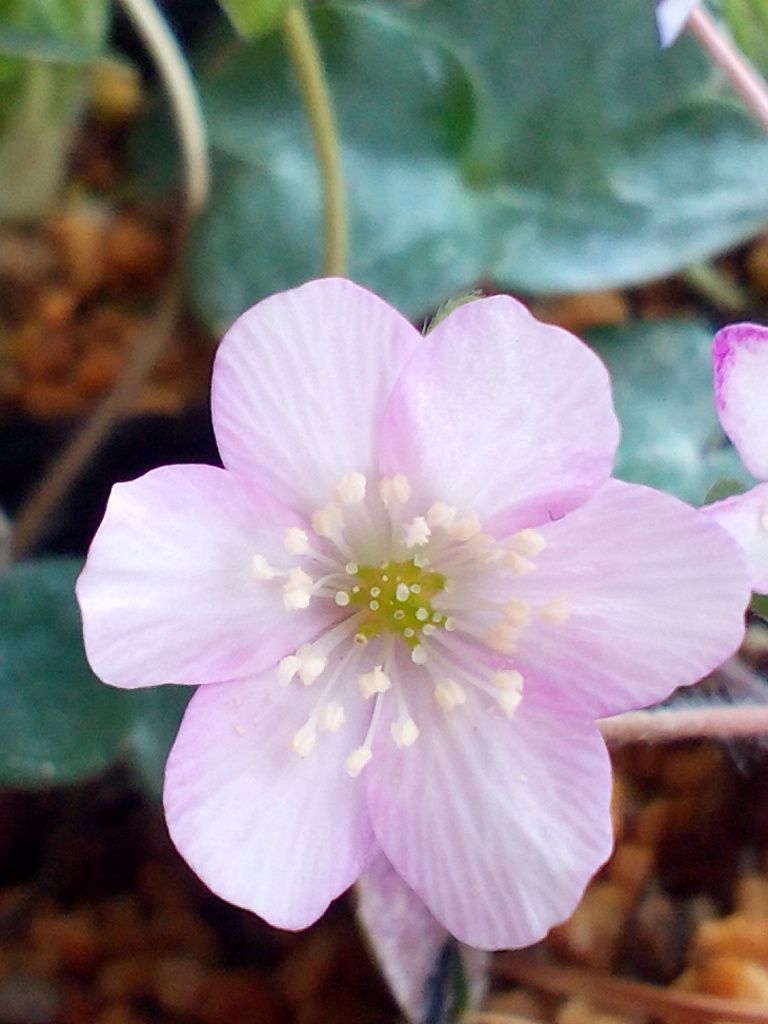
(397,598)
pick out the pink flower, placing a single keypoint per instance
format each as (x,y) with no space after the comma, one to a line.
(409,596)
(671,16)
(740,357)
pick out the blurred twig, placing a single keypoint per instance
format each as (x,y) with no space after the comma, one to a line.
(188,119)
(310,74)
(629,996)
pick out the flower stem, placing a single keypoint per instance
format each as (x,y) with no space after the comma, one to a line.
(313,86)
(751,86)
(725,722)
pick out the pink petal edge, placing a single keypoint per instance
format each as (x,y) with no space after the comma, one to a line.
(740,360)
(745,517)
(671,16)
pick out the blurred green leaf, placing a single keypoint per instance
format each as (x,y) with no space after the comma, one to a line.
(479,142)
(759,605)
(662,381)
(748,22)
(253,18)
(45,47)
(724,488)
(58,723)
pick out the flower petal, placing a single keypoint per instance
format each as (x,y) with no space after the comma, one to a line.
(168,594)
(299,383)
(745,517)
(265,829)
(408,941)
(671,16)
(656,595)
(740,356)
(497,824)
(503,415)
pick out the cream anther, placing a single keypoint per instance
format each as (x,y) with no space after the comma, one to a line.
(450,624)
(509,701)
(350,490)
(510,680)
(517,611)
(261,568)
(328,521)
(402,593)
(332,717)
(297,592)
(356,761)
(441,515)
(287,668)
(351,568)
(482,544)
(419,655)
(341,598)
(466,527)
(405,732)
(528,542)
(375,681)
(449,695)
(311,665)
(304,740)
(502,637)
(417,532)
(295,541)
(518,563)
(394,490)
(556,611)
(422,614)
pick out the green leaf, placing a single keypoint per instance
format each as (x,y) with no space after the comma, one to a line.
(662,380)
(58,722)
(759,605)
(748,22)
(253,18)
(479,142)
(45,48)
(724,488)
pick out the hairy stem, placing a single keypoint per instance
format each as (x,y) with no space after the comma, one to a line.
(310,74)
(751,86)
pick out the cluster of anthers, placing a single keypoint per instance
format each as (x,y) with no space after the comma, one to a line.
(405,586)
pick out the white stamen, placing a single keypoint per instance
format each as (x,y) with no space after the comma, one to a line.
(417,532)
(356,761)
(449,695)
(441,515)
(394,490)
(328,521)
(502,637)
(375,681)
(528,542)
(419,655)
(517,611)
(332,717)
(311,664)
(297,592)
(351,568)
(466,527)
(422,614)
(556,611)
(295,541)
(350,490)
(341,598)
(304,740)
(405,732)
(261,568)
(481,544)
(511,681)
(518,563)
(509,701)
(288,668)
(450,624)
(402,593)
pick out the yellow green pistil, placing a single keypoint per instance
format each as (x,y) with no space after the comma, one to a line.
(397,597)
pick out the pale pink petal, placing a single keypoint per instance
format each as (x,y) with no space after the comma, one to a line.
(502,415)
(745,517)
(267,830)
(299,384)
(407,940)
(497,823)
(740,356)
(655,594)
(168,593)
(671,16)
